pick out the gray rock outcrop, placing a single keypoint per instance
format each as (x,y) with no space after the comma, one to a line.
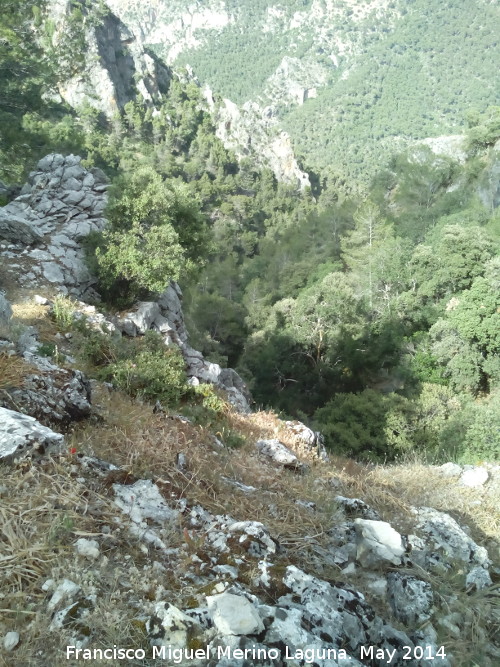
(61,203)
(52,394)
(5,310)
(22,436)
(117,66)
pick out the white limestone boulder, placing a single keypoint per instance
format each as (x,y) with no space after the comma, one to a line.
(377,543)
(22,436)
(234,615)
(278,453)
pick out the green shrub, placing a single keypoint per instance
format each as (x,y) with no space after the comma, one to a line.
(151,375)
(156,232)
(206,395)
(63,312)
(46,350)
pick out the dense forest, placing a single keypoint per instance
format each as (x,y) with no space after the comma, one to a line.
(374,319)
(400,71)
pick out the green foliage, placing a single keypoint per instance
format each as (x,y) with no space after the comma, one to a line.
(467,341)
(376,427)
(63,312)
(369,425)
(323,301)
(414,79)
(143,367)
(209,398)
(151,375)
(484,129)
(155,233)
(482,437)
(46,350)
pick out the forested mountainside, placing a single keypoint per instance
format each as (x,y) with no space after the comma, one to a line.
(350,81)
(375,318)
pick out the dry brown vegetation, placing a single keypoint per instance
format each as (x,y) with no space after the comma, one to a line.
(54,505)
(45,507)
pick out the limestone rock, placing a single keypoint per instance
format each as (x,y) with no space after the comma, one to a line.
(57,208)
(477,579)
(64,592)
(144,504)
(171,627)
(254,536)
(11,640)
(410,598)
(225,378)
(141,318)
(52,394)
(117,66)
(444,541)
(87,548)
(474,476)
(234,615)
(5,310)
(170,306)
(21,436)
(143,501)
(357,507)
(377,542)
(313,440)
(450,469)
(17,229)
(277,452)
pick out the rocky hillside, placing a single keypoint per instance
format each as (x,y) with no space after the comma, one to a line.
(349,81)
(186,529)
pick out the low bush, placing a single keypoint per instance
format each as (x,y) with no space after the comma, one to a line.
(151,375)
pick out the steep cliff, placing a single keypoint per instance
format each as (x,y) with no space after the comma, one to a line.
(117,67)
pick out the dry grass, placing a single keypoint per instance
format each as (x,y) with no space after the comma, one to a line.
(417,484)
(54,506)
(30,314)
(12,371)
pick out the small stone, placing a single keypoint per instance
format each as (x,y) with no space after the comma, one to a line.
(234,615)
(277,451)
(66,590)
(477,579)
(49,585)
(474,477)
(87,548)
(41,300)
(377,542)
(450,469)
(11,640)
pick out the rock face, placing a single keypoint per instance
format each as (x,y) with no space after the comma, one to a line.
(117,65)
(22,436)
(175,28)
(51,394)
(253,131)
(61,203)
